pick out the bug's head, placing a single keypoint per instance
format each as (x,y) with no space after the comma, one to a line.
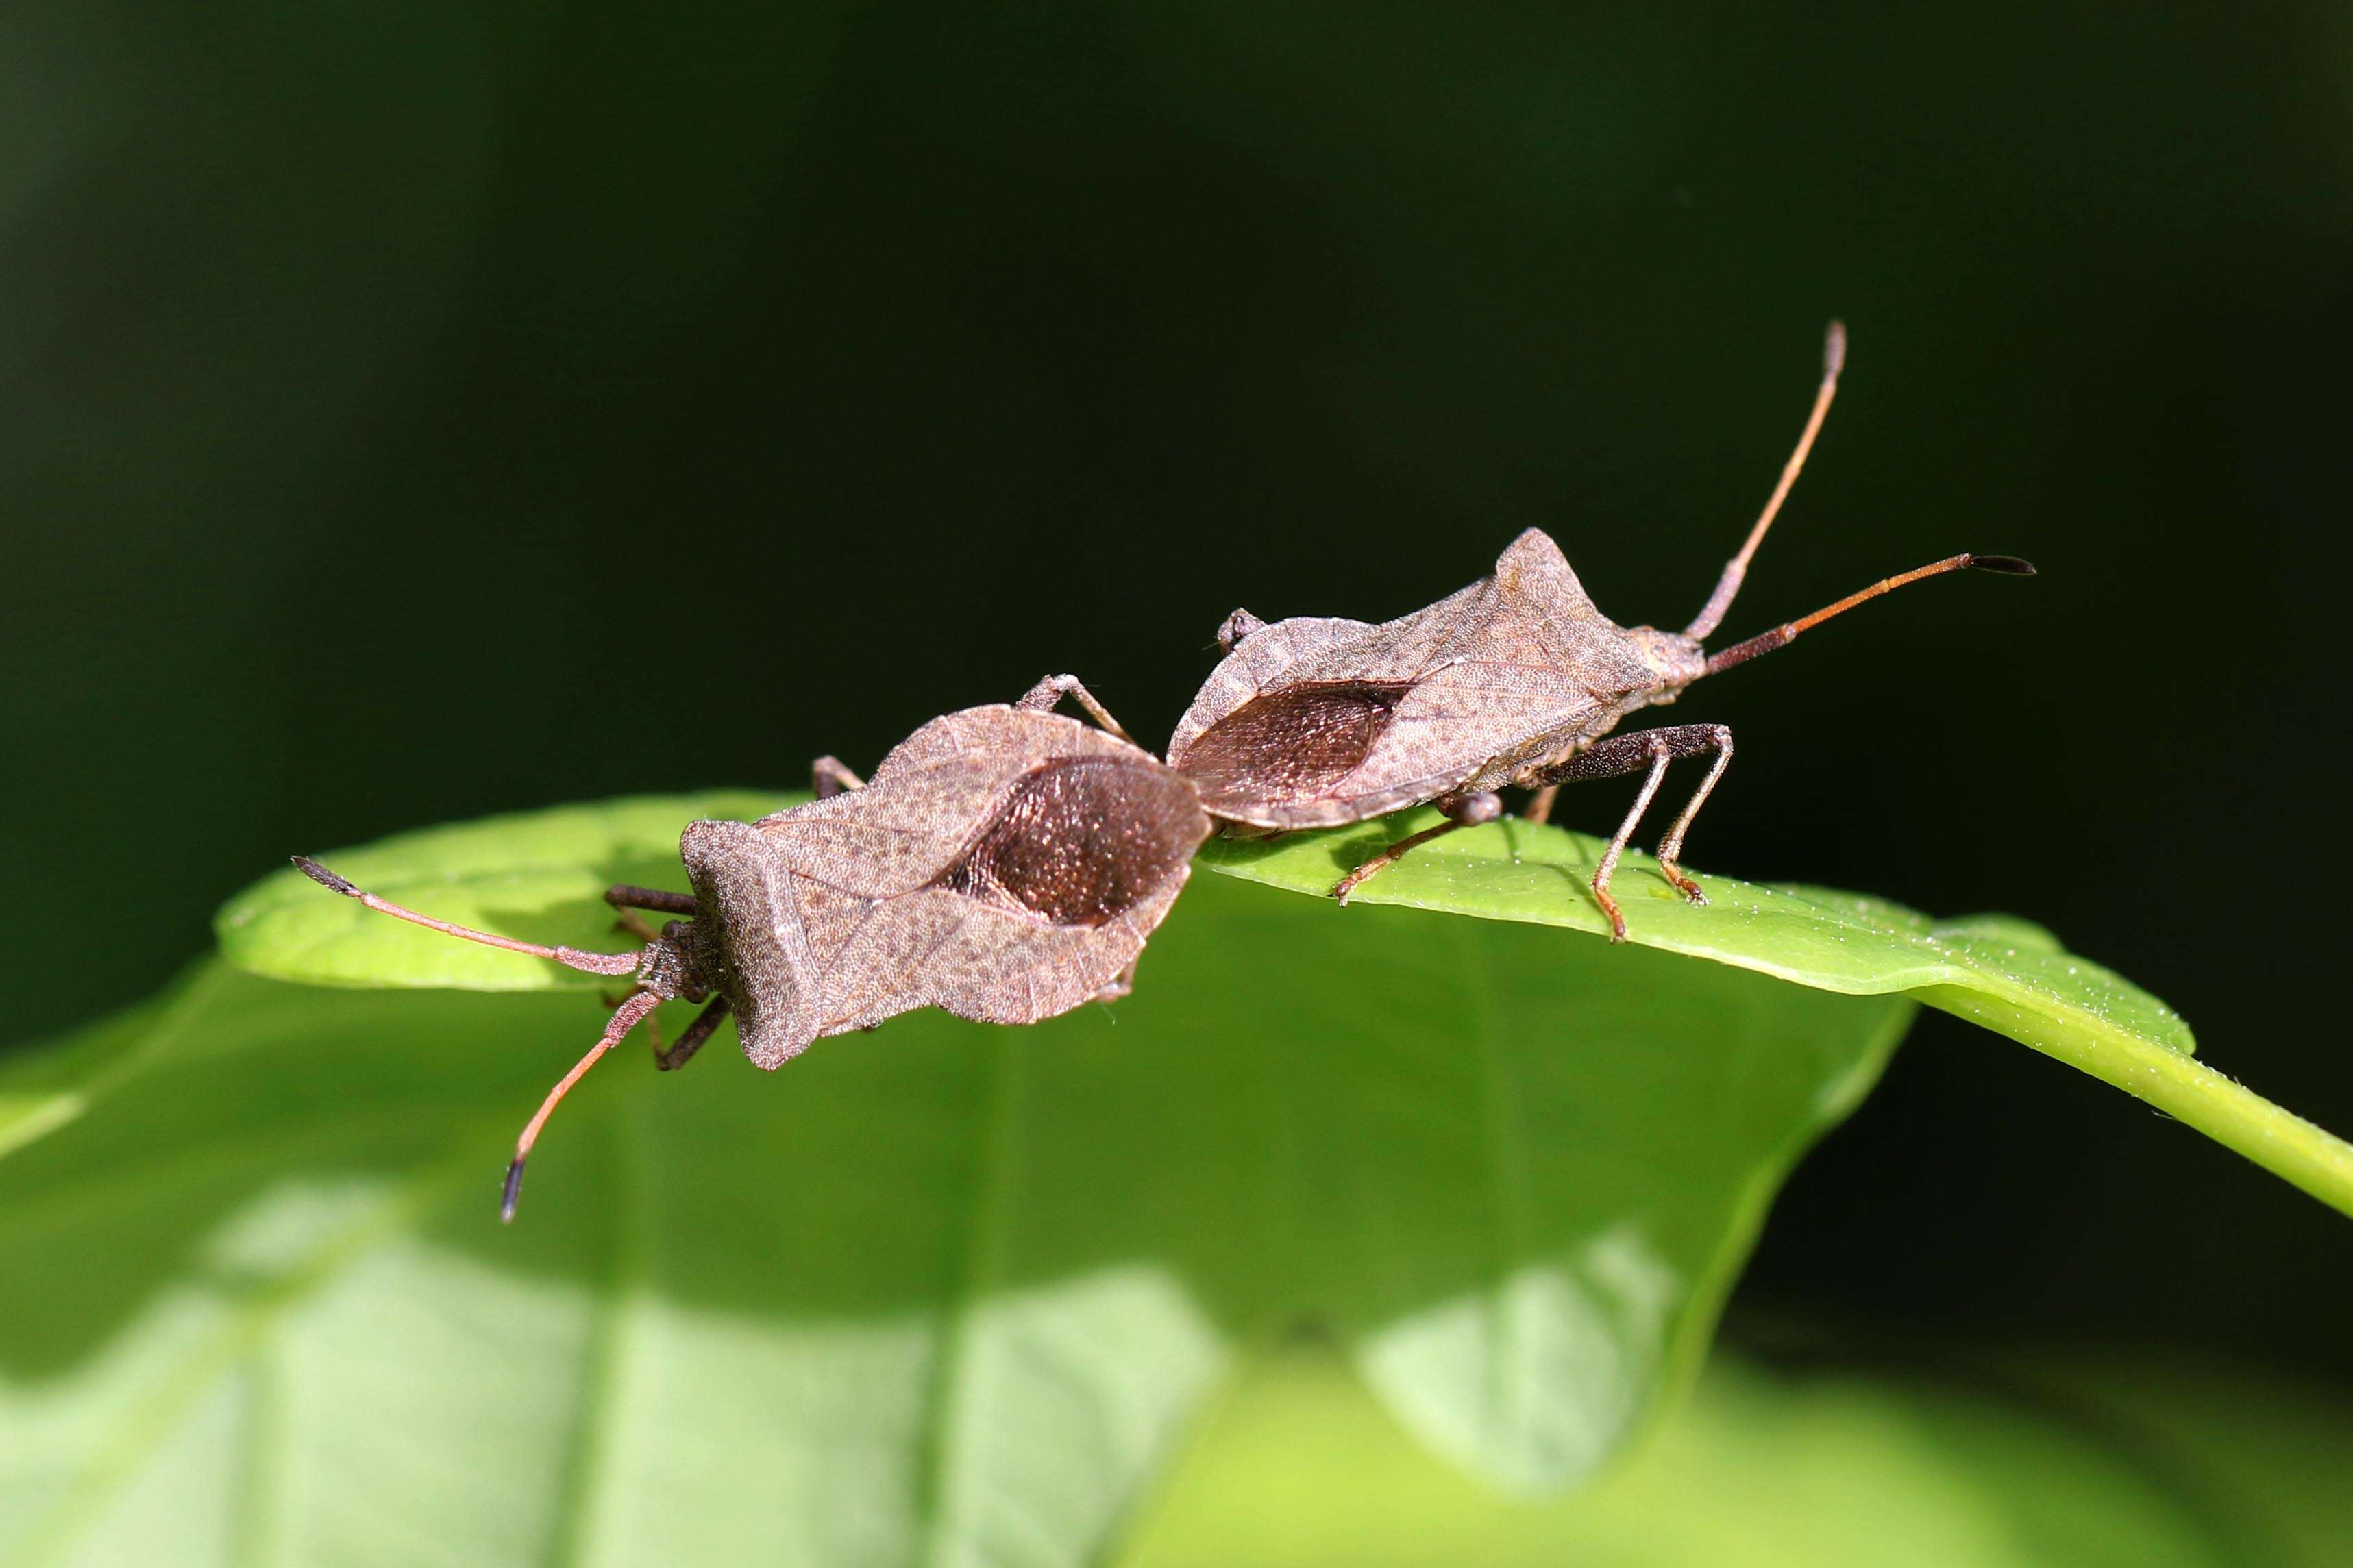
(1675,660)
(679,963)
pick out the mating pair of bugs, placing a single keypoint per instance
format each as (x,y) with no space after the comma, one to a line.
(1007,864)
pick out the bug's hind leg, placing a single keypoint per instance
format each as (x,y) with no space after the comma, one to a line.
(1649,750)
(1043,697)
(1461,811)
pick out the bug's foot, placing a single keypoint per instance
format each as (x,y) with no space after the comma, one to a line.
(1609,907)
(1359,876)
(1680,883)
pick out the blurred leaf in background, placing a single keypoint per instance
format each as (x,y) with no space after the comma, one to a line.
(2168,1469)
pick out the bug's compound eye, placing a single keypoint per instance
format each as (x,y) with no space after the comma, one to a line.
(1236,626)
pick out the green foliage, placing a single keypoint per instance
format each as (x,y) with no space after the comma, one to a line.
(944,1292)
(539,876)
(2005,973)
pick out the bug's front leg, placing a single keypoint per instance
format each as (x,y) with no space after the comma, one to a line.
(683,1051)
(628,896)
(1649,750)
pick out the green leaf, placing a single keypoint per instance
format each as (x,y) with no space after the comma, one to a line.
(540,877)
(944,1291)
(1994,970)
(536,876)
(1299,1470)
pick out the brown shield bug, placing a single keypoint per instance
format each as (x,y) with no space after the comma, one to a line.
(1516,681)
(1006,864)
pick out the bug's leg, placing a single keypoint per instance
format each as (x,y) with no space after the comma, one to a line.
(830,778)
(625,1018)
(1602,873)
(1652,750)
(1671,847)
(629,896)
(1042,697)
(625,896)
(1235,627)
(1118,986)
(705,1023)
(1461,811)
(1539,809)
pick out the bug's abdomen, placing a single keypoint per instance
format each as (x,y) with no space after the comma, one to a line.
(1292,744)
(1082,840)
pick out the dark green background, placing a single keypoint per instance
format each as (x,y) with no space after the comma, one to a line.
(408,413)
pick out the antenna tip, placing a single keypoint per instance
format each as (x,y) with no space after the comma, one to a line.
(514,1191)
(1834,349)
(2008,566)
(325,878)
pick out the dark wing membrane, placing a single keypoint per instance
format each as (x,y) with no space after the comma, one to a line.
(1293,743)
(1082,840)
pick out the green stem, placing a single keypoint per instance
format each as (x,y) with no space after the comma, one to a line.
(2179,1085)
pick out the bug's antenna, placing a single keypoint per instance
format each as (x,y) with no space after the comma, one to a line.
(573,957)
(1765,642)
(1833,360)
(625,1018)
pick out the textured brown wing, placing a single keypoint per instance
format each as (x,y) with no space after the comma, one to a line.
(1310,724)
(1293,743)
(1003,865)
(1082,840)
